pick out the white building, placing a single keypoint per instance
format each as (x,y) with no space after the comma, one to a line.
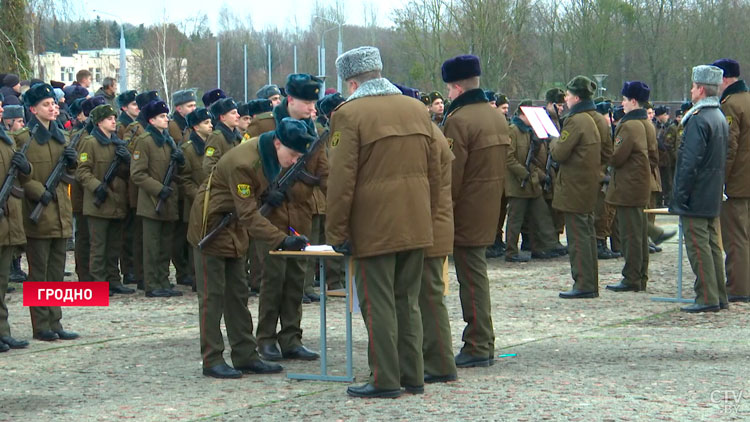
(101,63)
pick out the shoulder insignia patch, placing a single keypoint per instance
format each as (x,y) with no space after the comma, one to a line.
(729,120)
(84,157)
(245,138)
(564,135)
(243,190)
(210,151)
(335,138)
(618,140)
(136,155)
(450,143)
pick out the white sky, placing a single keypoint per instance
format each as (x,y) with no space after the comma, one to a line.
(264,13)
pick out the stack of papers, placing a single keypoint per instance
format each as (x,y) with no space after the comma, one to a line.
(319,248)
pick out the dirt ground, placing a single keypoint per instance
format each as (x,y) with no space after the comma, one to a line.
(619,357)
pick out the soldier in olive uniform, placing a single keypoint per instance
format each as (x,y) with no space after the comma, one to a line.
(235,187)
(479,137)
(225,135)
(128,113)
(243,109)
(263,119)
(578,151)
(46,239)
(436,106)
(82,237)
(105,202)
(271,93)
(523,188)
(283,279)
(132,131)
(153,153)
(192,174)
(502,105)
(11,229)
(629,186)
(334,280)
(184,103)
(383,152)
(666,135)
(735,211)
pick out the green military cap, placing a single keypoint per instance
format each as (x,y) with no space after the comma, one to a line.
(523,103)
(501,99)
(581,86)
(648,105)
(101,112)
(424,98)
(554,95)
(435,95)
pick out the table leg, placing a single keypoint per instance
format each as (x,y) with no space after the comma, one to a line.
(679,298)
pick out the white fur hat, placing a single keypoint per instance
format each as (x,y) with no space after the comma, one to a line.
(358,61)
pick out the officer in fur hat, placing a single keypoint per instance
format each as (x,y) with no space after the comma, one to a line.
(478,181)
(263,118)
(398,137)
(271,93)
(735,214)
(153,151)
(629,186)
(699,178)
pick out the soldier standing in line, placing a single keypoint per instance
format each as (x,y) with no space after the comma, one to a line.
(192,174)
(128,113)
(234,189)
(154,152)
(183,102)
(666,135)
(263,120)
(436,106)
(105,202)
(578,151)
(225,135)
(502,105)
(384,153)
(523,188)
(735,211)
(271,93)
(479,137)
(11,230)
(46,239)
(629,186)
(604,213)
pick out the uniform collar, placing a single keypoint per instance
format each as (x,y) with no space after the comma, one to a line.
(472,96)
(4,136)
(735,88)
(125,119)
(43,135)
(268,158)
(230,135)
(637,114)
(581,107)
(523,127)
(160,137)
(181,122)
(198,143)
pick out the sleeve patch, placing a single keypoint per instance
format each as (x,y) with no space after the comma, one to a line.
(335,138)
(729,120)
(450,143)
(84,157)
(210,151)
(243,190)
(618,140)
(564,136)
(136,155)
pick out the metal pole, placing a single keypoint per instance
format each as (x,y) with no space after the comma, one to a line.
(339,52)
(323,64)
(245,51)
(123,61)
(295,59)
(270,70)
(218,64)
(319,59)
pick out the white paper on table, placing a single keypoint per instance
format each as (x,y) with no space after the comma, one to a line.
(540,122)
(319,248)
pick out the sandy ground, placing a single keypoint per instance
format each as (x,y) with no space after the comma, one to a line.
(619,357)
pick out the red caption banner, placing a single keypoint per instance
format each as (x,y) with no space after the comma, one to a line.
(59,293)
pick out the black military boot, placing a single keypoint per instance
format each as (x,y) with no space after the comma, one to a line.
(16,273)
(497,249)
(603,251)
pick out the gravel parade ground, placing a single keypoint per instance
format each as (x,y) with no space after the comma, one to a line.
(620,357)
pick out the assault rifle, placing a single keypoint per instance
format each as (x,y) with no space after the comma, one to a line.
(533,147)
(168,176)
(58,173)
(109,176)
(296,171)
(10,179)
(219,227)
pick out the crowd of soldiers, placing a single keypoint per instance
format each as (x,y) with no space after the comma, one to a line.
(214,189)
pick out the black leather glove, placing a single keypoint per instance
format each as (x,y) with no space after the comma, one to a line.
(22,164)
(178,156)
(122,153)
(294,243)
(165,192)
(101,193)
(274,198)
(71,156)
(46,197)
(344,248)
